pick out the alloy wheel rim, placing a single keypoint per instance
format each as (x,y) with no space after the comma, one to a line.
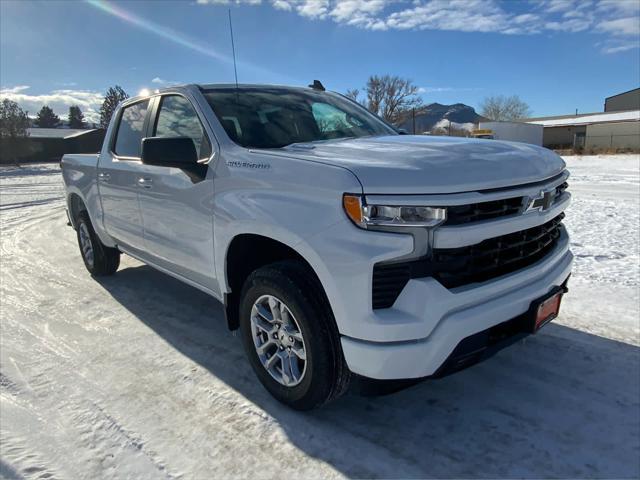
(278,340)
(85,243)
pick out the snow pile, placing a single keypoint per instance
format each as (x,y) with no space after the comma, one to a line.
(446,124)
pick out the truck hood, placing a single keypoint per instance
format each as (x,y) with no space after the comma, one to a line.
(412,164)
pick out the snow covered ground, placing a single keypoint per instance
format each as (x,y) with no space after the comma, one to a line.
(136,376)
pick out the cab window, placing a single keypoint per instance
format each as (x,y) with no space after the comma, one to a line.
(131,130)
(177,118)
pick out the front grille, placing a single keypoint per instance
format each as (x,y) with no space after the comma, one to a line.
(461,214)
(455,267)
(475,212)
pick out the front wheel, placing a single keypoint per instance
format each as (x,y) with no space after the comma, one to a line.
(98,258)
(290,337)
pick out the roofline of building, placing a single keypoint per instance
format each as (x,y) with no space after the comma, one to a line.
(580,115)
(560,117)
(623,93)
(586,123)
(83,131)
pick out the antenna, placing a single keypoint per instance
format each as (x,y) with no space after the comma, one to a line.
(233,49)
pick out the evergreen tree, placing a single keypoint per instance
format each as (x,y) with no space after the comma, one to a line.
(46,118)
(114,96)
(76,118)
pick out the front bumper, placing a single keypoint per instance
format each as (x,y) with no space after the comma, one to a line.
(453,315)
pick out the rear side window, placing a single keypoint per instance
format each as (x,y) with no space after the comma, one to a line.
(131,130)
(177,118)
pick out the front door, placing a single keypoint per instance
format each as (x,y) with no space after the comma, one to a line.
(118,174)
(177,205)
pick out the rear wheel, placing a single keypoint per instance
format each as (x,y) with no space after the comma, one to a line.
(290,337)
(99,259)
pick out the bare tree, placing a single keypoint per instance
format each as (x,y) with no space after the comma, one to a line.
(353,94)
(392,97)
(501,108)
(389,97)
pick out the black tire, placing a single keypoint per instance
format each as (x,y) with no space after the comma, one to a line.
(105,260)
(326,376)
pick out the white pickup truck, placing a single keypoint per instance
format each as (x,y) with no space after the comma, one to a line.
(338,246)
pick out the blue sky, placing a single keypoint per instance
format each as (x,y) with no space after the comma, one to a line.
(557,55)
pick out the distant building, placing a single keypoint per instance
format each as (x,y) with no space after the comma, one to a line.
(623,101)
(44,144)
(514,131)
(592,130)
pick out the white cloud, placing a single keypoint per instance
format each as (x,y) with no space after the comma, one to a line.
(554,6)
(12,90)
(281,5)
(358,12)
(609,18)
(59,100)
(458,15)
(619,48)
(621,26)
(313,8)
(624,7)
(163,82)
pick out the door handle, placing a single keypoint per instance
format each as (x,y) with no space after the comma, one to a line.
(145,182)
(105,177)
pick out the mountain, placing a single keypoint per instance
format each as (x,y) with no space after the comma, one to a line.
(436,113)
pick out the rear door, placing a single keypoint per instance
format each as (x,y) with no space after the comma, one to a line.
(176,204)
(118,174)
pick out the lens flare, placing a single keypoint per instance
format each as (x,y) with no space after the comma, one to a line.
(170,34)
(156,28)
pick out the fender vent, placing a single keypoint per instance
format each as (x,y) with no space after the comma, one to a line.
(388,282)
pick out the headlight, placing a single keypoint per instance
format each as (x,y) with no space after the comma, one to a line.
(367,216)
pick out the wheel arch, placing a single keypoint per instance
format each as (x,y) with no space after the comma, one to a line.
(76,205)
(247,252)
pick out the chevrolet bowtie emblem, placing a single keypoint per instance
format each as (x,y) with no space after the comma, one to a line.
(542,202)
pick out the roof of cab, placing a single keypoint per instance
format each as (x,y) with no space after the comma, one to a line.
(212,86)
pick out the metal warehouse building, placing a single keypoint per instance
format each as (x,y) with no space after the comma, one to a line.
(614,129)
(617,127)
(623,101)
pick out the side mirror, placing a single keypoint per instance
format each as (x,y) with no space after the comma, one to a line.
(402,131)
(177,152)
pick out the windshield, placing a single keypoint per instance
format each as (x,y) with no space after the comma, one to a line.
(277,117)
